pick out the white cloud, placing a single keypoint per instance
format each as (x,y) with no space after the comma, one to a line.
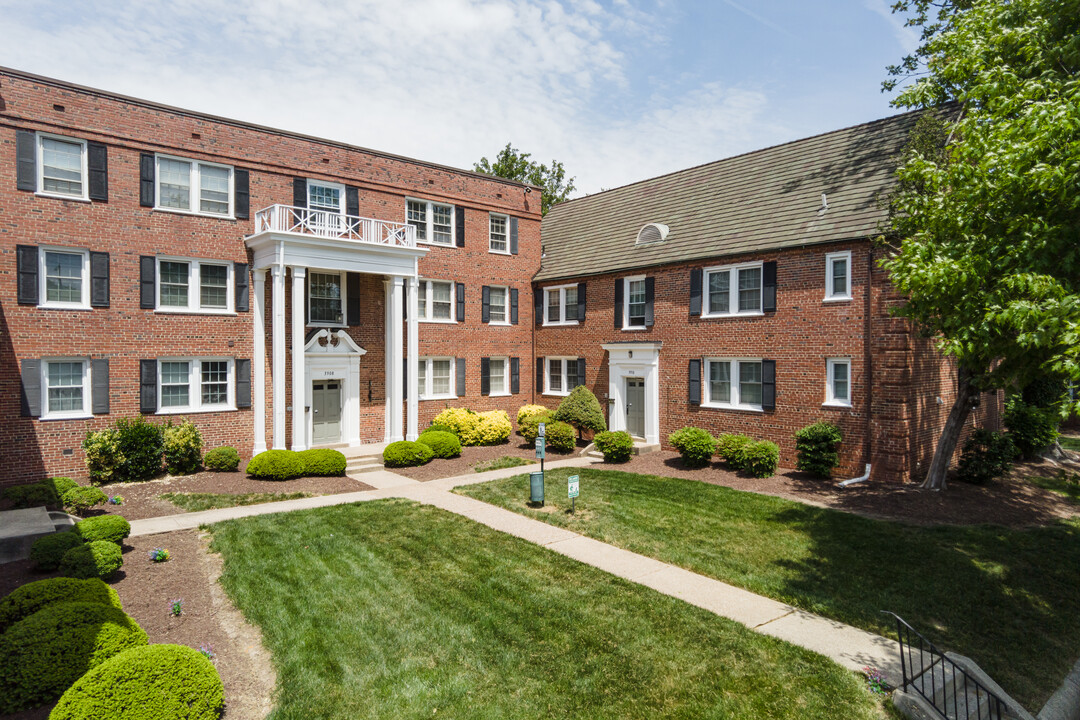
(908,38)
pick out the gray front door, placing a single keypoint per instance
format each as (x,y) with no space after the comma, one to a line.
(635,407)
(325,412)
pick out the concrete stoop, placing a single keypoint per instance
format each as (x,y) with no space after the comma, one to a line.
(946,687)
(640,448)
(20,528)
(363,464)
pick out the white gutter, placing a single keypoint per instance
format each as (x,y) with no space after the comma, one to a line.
(862,478)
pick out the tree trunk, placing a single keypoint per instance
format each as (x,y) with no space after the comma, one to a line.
(950,434)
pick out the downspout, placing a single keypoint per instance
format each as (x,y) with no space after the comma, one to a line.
(868,365)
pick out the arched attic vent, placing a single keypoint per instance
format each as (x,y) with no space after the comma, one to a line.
(652,233)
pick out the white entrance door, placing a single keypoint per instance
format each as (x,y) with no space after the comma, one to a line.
(326,412)
(635,407)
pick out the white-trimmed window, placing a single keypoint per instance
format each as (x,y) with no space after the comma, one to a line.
(326,196)
(733,290)
(733,383)
(434,222)
(61,166)
(436,301)
(838,276)
(65,274)
(560,305)
(498,376)
(66,385)
(188,285)
(499,233)
(838,382)
(498,305)
(192,186)
(435,378)
(560,375)
(195,385)
(326,298)
(634,299)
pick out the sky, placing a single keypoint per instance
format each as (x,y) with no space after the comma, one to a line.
(616,90)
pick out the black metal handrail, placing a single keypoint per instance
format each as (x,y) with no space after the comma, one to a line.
(915,678)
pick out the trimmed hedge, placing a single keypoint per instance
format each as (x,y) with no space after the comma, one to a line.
(47,552)
(28,496)
(616,446)
(459,420)
(406,453)
(816,446)
(111,528)
(441,428)
(222,459)
(323,462)
(695,445)
(99,559)
(276,465)
(28,599)
(582,410)
(490,428)
(442,444)
(48,651)
(529,428)
(730,447)
(59,485)
(158,682)
(527,411)
(761,458)
(560,437)
(82,498)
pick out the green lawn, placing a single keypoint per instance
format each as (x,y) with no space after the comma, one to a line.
(1070,443)
(1066,487)
(389,609)
(506,461)
(193,502)
(1010,599)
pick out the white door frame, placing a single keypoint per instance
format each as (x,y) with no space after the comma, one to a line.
(634,360)
(332,355)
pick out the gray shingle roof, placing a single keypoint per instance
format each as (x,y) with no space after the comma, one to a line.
(763,200)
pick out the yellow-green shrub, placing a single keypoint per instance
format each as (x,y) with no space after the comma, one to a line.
(459,420)
(491,428)
(527,411)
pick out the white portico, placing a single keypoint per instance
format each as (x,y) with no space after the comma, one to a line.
(634,388)
(294,241)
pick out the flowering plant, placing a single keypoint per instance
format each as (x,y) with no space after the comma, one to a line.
(116,500)
(207,650)
(159,555)
(875,681)
(176,607)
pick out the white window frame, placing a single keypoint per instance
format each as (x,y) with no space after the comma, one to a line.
(626,304)
(505,376)
(39,156)
(425,390)
(830,294)
(43,293)
(733,290)
(429,221)
(830,382)
(195,404)
(194,187)
(194,305)
(506,305)
(565,379)
(83,413)
(424,312)
(561,320)
(325,184)
(505,219)
(733,376)
(342,282)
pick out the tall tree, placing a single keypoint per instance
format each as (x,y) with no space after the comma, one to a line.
(985,221)
(512,164)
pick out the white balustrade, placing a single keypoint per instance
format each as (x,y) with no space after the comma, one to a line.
(323,223)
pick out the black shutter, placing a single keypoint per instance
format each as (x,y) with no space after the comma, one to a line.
(147,272)
(581,302)
(353,293)
(459,226)
(146,180)
(695,290)
(99,280)
(539,376)
(97,165)
(404,378)
(99,387)
(352,201)
(299,193)
(618,303)
(695,382)
(768,384)
(580,372)
(538,306)
(515,376)
(243,383)
(768,287)
(513,236)
(485,304)
(460,380)
(241,194)
(650,295)
(26,260)
(148,386)
(513,306)
(240,284)
(25,161)
(31,388)
(460,302)
(485,376)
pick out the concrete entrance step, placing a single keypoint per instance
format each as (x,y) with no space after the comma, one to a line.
(363,465)
(640,448)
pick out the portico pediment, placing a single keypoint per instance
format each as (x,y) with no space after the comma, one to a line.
(332,342)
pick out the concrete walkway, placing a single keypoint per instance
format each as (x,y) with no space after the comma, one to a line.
(849,646)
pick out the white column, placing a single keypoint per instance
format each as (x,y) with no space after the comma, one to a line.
(258,362)
(277,349)
(395,386)
(388,301)
(413,353)
(299,384)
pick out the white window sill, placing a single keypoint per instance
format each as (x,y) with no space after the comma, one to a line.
(64,306)
(54,417)
(439,322)
(499,252)
(500,323)
(58,196)
(564,323)
(312,323)
(721,316)
(744,408)
(635,328)
(836,404)
(193,411)
(838,298)
(499,394)
(436,244)
(556,393)
(423,398)
(192,311)
(178,211)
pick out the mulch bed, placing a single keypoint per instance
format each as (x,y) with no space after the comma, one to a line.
(146,590)
(472,456)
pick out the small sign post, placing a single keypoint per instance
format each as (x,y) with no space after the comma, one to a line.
(572,492)
(536,479)
(542,427)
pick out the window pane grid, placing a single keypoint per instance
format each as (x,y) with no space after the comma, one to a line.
(497,376)
(720,292)
(553,306)
(749,289)
(175,378)
(440,300)
(61,170)
(749,383)
(214,286)
(321,197)
(214,190)
(63,277)
(570,303)
(555,383)
(440,377)
(636,305)
(325,298)
(839,276)
(416,215)
(720,382)
(215,382)
(840,372)
(65,384)
(497,305)
(173,284)
(441,222)
(174,184)
(498,233)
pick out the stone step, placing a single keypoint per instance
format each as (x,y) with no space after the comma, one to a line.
(640,448)
(363,467)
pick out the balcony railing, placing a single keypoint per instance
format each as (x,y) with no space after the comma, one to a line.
(322,223)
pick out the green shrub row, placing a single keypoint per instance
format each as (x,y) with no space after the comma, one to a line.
(289,464)
(28,599)
(48,492)
(133,450)
(739,452)
(406,453)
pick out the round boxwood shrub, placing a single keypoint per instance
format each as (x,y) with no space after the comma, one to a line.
(222,459)
(559,437)
(529,428)
(28,496)
(99,559)
(816,446)
(47,552)
(80,499)
(616,446)
(442,444)
(761,458)
(59,485)
(441,428)
(323,462)
(730,447)
(406,453)
(527,411)
(26,600)
(157,682)
(49,650)
(582,410)
(182,448)
(695,445)
(276,465)
(111,528)
(987,455)
(491,428)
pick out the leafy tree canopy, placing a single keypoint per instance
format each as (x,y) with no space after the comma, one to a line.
(512,164)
